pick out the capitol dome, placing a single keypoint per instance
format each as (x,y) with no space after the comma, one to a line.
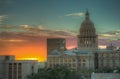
(87,39)
(87,26)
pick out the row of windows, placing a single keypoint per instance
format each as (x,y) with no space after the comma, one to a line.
(14,70)
(70,65)
(110,55)
(68,60)
(110,60)
(109,65)
(14,64)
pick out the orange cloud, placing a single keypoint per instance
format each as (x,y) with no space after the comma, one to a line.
(12,40)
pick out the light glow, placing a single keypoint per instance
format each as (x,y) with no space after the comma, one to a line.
(27,58)
(28,50)
(102,46)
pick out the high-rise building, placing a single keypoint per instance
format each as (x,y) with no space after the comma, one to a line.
(87,39)
(55,44)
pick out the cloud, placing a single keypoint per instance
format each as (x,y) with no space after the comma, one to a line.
(10,28)
(24,31)
(11,40)
(6,27)
(40,27)
(31,32)
(62,33)
(79,14)
(28,27)
(107,42)
(41,30)
(110,35)
(2,18)
(25,26)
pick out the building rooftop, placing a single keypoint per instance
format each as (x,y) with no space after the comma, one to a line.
(83,52)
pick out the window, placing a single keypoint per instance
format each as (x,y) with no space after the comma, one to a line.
(61,60)
(74,65)
(19,70)
(10,64)
(73,60)
(69,65)
(101,55)
(102,65)
(79,64)
(10,71)
(107,55)
(79,60)
(19,77)
(84,64)
(50,65)
(6,57)
(84,60)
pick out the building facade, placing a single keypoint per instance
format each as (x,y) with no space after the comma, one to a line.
(70,60)
(105,76)
(87,56)
(17,69)
(109,59)
(85,59)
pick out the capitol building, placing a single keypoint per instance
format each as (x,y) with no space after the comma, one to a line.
(87,55)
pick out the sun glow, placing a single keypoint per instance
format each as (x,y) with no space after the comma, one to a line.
(28,59)
(25,50)
(31,53)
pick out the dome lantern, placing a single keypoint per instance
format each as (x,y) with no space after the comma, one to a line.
(87,15)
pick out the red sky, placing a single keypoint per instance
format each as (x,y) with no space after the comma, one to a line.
(32,49)
(30,42)
(24,49)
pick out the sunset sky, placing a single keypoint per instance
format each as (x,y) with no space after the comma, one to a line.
(25,24)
